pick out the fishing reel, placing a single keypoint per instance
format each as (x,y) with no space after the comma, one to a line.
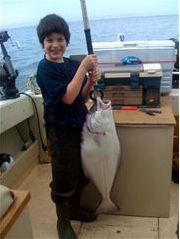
(7,72)
(98,90)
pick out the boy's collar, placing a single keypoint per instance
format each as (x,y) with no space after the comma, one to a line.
(45,57)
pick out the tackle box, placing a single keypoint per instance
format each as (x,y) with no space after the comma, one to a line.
(137,85)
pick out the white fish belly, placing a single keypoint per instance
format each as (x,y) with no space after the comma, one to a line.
(100,159)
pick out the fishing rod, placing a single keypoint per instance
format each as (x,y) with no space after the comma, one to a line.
(87,32)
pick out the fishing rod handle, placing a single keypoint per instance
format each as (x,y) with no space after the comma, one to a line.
(89,41)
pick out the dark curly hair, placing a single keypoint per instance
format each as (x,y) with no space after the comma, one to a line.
(52,23)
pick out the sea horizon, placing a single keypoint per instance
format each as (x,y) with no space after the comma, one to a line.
(34,24)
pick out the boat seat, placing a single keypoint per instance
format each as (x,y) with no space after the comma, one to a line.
(15,222)
(7,198)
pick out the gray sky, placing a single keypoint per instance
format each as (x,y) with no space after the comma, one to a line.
(28,12)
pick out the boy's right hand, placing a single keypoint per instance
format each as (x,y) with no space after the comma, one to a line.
(89,62)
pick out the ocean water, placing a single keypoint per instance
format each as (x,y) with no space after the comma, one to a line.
(25,58)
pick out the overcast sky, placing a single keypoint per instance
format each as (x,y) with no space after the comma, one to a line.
(28,12)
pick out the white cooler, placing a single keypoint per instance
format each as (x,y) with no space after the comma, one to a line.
(160,51)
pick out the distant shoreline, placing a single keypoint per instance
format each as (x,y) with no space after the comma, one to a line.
(8,27)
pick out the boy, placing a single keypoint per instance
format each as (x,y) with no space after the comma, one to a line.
(65,90)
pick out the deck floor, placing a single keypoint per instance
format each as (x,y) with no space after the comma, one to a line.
(43,217)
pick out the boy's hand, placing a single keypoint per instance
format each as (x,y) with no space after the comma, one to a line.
(89,62)
(94,75)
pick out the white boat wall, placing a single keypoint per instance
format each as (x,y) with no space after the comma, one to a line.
(18,118)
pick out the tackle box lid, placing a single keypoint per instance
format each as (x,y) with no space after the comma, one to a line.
(145,70)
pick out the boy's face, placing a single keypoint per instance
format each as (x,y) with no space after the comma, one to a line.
(55,46)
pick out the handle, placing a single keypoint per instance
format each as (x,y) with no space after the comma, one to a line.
(92,94)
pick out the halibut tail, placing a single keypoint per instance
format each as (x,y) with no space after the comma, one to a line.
(107,207)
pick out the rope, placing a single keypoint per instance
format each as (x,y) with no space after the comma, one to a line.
(32,86)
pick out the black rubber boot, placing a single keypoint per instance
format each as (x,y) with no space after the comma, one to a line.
(77,212)
(64,227)
(82,214)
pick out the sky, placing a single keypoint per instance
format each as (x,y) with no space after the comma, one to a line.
(14,13)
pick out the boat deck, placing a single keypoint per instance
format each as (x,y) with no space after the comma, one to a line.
(43,217)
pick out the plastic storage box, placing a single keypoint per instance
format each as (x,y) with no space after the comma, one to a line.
(133,85)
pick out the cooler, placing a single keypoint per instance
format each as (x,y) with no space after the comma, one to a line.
(160,51)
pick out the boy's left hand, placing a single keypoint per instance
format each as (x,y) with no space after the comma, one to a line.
(94,75)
